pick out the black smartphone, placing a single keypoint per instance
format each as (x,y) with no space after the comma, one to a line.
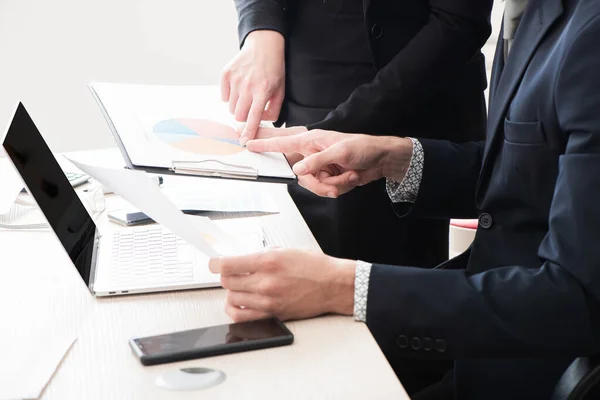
(211,341)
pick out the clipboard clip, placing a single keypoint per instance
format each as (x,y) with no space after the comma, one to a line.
(215,168)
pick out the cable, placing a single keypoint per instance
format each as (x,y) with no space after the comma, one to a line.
(92,199)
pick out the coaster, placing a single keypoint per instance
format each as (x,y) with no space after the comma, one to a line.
(190,379)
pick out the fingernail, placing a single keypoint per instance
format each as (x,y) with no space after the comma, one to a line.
(331,195)
(243,139)
(300,168)
(213,265)
(353,178)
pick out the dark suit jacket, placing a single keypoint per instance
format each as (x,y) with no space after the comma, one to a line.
(431,73)
(524,301)
(429,83)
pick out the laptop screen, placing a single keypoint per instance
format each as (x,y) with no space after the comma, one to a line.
(52,191)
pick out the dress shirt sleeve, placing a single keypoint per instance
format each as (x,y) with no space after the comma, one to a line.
(407,190)
(361,289)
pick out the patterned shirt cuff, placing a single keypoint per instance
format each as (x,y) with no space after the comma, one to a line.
(361,290)
(407,190)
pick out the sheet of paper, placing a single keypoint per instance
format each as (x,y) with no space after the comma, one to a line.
(217,195)
(138,189)
(248,232)
(10,184)
(27,370)
(162,124)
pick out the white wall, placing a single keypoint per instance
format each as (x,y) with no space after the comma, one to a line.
(490,47)
(50,50)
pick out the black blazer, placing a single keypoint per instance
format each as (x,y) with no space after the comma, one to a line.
(431,73)
(524,301)
(429,83)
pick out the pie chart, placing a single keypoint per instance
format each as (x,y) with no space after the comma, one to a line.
(199,136)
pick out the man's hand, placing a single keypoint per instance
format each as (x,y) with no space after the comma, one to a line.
(254,81)
(330,163)
(288,284)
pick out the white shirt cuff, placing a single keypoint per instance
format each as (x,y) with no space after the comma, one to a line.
(361,290)
(407,190)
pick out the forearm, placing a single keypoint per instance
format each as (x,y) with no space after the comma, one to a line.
(506,312)
(436,56)
(256,15)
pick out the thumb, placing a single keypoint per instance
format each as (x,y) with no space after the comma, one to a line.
(336,154)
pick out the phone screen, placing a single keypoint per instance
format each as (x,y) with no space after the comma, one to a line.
(211,337)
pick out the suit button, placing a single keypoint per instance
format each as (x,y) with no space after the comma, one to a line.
(427,344)
(415,343)
(485,220)
(440,345)
(402,341)
(376,31)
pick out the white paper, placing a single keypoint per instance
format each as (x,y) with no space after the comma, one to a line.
(10,185)
(248,232)
(138,189)
(217,195)
(27,370)
(162,124)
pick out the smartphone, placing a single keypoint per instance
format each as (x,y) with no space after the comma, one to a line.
(211,341)
(129,218)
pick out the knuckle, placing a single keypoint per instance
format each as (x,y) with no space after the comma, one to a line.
(246,83)
(270,305)
(225,281)
(236,80)
(230,298)
(269,261)
(345,155)
(267,287)
(226,73)
(262,86)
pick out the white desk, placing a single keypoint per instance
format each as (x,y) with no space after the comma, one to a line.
(332,357)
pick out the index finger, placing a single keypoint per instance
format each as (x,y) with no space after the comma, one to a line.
(281,144)
(234,265)
(254,116)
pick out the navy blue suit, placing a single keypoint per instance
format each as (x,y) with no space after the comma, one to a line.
(525,299)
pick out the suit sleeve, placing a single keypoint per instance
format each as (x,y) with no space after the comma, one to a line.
(256,15)
(454,34)
(449,181)
(515,311)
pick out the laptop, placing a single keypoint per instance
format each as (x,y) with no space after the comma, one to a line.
(143,259)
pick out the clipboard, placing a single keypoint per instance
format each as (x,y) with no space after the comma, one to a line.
(207,168)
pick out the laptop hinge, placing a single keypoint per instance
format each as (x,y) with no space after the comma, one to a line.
(95,253)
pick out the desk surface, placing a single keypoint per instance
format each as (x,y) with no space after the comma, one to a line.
(41,294)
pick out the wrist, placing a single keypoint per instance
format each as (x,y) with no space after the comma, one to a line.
(397,153)
(341,287)
(271,40)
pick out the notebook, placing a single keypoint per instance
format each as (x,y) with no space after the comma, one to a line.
(184,130)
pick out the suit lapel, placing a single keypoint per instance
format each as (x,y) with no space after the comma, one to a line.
(498,66)
(536,22)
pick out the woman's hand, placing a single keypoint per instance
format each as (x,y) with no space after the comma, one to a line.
(253,83)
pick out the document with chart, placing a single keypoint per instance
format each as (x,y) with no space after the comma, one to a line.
(185,130)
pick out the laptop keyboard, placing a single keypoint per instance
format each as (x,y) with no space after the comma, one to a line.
(150,255)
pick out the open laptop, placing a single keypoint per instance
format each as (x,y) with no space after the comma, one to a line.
(134,260)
